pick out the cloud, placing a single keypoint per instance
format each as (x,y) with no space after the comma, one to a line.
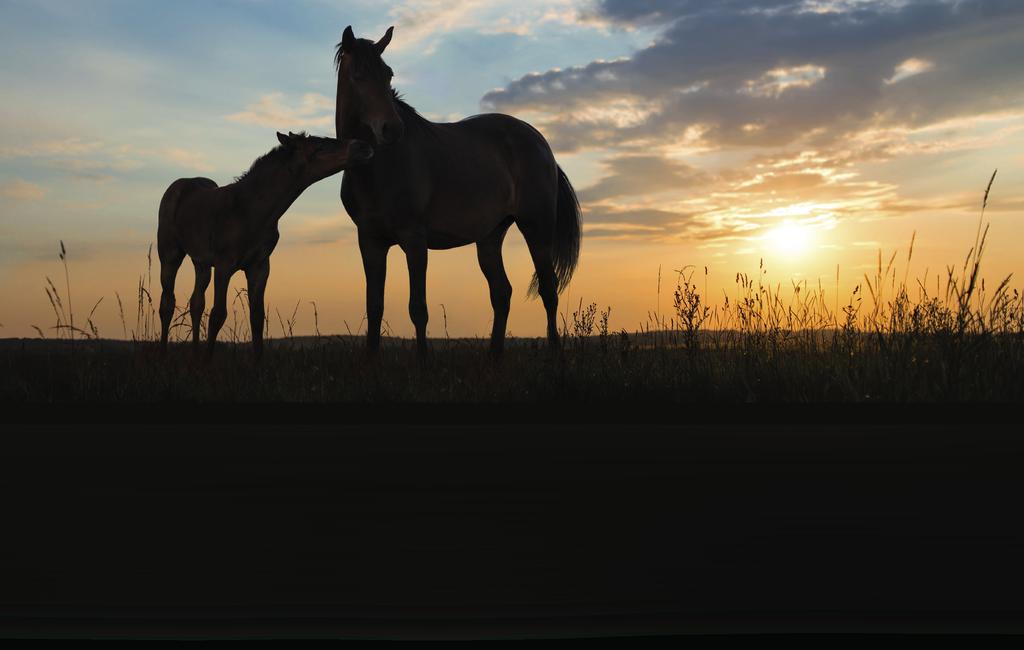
(73,146)
(909,68)
(188,159)
(789,70)
(420,25)
(312,111)
(795,97)
(631,12)
(318,229)
(100,170)
(782,182)
(101,162)
(643,175)
(22,190)
(775,82)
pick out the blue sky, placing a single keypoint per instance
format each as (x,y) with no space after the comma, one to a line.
(113,98)
(696,132)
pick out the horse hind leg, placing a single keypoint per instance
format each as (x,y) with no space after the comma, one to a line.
(540,243)
(170,260)
(488,252)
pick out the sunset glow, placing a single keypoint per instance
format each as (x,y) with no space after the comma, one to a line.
(695,133)
(790,238)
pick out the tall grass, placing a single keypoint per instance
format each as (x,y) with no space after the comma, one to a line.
(947,337)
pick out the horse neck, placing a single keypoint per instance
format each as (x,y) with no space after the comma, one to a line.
(403,160)
(266,195)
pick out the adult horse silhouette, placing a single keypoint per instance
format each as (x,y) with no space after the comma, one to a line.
(234,227)
(442,185)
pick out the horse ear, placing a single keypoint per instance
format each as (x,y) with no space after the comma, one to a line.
(283,139)
(348,39)
(383,42)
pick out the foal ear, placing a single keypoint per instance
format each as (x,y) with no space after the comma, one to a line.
(348,39)
(283,139)
(384,40)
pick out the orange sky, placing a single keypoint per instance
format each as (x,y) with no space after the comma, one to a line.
(807,153)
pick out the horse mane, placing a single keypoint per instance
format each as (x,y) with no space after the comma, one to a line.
(337,56)
(272,158)
(408,112)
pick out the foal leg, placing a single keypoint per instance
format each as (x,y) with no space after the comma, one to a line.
(170,261)
(197,304)
(256,277)
(488,253)
(416,255)
(375,266)
(219,313)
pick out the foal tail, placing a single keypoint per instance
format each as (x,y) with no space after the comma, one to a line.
(567,235)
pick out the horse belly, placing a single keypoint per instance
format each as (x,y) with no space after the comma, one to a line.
(195,236)
(462,225)
(469,211)
(440,240)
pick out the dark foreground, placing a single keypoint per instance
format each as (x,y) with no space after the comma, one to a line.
(656,369)
(508,522)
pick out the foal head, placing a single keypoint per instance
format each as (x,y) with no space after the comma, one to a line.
(365,97)
(312,159)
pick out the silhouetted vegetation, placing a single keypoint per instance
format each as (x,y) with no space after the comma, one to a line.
(941,339)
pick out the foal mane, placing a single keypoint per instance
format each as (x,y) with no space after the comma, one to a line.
(272,158)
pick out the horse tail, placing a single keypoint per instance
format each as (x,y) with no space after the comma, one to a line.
(567,235)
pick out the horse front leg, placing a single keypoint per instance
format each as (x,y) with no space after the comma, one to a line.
(219,313)
(256,278)
(375,265)
(197,303)
(416,256)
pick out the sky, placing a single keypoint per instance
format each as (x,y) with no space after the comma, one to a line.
(804,135)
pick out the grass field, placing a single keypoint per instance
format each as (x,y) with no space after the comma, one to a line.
(934,339)
(798,368)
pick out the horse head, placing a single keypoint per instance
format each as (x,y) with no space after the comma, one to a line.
(313,158)
(365,96)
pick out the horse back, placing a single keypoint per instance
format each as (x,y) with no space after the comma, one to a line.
(498,156)
(177,191)
(454,181)
(519,145)
(180,193)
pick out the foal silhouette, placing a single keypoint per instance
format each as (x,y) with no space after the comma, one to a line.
(433,185)
(234,227)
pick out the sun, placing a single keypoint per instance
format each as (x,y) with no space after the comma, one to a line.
(790,238)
